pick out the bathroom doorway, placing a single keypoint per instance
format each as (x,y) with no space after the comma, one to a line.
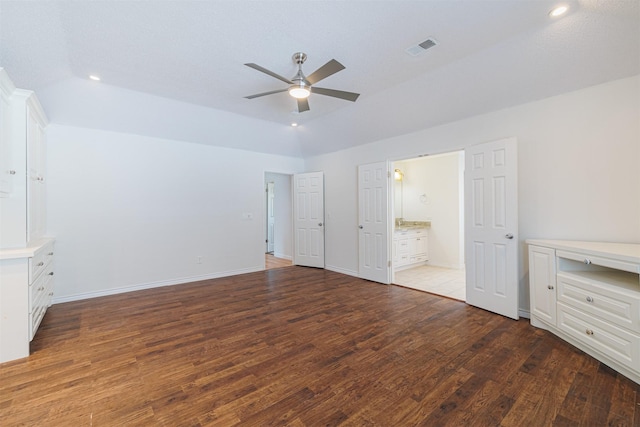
(428,238)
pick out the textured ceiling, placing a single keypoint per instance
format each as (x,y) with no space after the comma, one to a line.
(491,55)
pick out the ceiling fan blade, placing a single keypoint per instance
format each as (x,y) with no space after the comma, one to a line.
(303,105)
(271,73)
(257,95)
(325,71)
(349,96)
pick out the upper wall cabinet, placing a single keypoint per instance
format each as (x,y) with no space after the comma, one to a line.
(6,171)
(22,166)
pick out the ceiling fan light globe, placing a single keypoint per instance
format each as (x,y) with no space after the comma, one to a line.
(299,91)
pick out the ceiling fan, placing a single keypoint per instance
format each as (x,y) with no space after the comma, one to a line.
(301,86)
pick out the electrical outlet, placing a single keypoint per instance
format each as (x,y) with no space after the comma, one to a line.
(199,260)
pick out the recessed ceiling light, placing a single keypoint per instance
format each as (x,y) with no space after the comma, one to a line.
(294,124)
(94,77)
(558,11)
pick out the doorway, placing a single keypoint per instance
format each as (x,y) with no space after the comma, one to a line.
(278,234)
(428,238)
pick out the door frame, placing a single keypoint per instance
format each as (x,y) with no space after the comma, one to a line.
(392,191)
(264,211)
(466,219)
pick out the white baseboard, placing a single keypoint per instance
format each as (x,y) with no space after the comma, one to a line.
(283,256)
(341,270)
(139,287)
(524,313)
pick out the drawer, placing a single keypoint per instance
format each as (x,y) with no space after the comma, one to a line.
(616,343)
(610,304)
(38,290)
(403,246)
(39,261)
(35,320)
(418,258)
(604,262)
(36,266)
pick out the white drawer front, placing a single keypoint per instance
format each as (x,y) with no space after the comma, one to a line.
(618,344)
(36,319)
(403,246)
(36,266)
(595,260)
(618,307)
(40,260)
(37,290)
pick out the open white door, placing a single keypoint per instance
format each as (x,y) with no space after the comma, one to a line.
(373,222)
(491,226)
(308,219)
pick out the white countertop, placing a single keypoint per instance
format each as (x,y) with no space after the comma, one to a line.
(629,252)
(27,251)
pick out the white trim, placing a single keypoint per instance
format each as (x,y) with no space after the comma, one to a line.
(341,270)
(283,256)
(524,313)
(139,287)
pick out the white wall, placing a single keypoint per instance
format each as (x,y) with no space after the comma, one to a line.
(283,215)
(437,178)
(578,157)
(130,212)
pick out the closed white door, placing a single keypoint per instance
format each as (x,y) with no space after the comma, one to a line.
(373,222)
(491,226)
(270,216)
(308,222)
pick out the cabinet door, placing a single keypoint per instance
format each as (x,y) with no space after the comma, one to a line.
(542,283)
(7,172)
(421,245)
(35,178)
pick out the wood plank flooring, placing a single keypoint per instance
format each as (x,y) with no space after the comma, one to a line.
(302,347)
(271,261)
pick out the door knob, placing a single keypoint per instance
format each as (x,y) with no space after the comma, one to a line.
(319,224)
(509,236)
(360,227)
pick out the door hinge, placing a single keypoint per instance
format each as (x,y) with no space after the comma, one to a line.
(389,263)
(388,174)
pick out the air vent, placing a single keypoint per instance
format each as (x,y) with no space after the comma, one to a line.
(421,47)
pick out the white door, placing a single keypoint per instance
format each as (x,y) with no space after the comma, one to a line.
(373,222)
(308,219)
(270,217)
(491,226)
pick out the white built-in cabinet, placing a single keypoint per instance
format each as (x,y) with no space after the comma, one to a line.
(410,247)
(26,254)
(588,293)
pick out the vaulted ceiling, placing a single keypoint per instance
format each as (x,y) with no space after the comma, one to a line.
(489,55)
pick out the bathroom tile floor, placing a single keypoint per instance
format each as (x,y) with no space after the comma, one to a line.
(436,280)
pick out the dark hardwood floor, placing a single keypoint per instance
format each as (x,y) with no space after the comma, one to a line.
(302,347)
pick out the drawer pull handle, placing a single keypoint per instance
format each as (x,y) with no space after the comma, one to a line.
(51,274)
(50,253)
(12,172)
(589,299)
(50,294)
(587,261)
(589,332)
(550,287)
(41,288)
(40,264)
